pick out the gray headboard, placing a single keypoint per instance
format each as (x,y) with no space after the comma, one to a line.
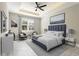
(58,27)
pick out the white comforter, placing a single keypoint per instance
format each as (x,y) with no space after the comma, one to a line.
(50,41)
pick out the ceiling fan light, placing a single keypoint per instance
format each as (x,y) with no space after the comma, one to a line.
(35,9)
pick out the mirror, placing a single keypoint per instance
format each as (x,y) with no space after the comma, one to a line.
(2,22)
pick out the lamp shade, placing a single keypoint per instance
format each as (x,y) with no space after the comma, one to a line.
(45,30)
(71,31)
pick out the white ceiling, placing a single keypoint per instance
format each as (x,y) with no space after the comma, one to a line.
(28,8)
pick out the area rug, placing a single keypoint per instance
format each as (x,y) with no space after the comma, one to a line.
(64,50)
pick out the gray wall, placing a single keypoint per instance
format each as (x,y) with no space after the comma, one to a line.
(37,24)
(72,19)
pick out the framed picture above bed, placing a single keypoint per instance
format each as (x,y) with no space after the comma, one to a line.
(56,19)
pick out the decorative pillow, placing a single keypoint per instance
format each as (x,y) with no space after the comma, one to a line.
(60,34)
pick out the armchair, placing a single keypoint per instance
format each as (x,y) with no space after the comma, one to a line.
(22,36)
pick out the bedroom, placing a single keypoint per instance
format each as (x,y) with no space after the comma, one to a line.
(27,22)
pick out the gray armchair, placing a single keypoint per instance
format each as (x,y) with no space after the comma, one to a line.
(22,36)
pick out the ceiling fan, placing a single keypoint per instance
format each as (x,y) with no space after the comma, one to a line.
(38,6)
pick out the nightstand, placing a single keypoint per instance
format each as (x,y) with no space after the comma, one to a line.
(70,41)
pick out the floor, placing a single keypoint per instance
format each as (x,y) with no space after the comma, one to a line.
(22,49)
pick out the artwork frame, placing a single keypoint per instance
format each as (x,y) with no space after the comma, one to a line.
(57,19)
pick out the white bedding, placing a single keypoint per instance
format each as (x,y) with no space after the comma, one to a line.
(50,41)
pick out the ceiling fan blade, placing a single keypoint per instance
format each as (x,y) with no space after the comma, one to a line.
(36,3)
(41,9)
(43,5)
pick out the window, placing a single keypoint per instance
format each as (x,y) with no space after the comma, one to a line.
(24,25)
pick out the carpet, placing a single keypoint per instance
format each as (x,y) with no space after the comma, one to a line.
(22,49)
(64,50)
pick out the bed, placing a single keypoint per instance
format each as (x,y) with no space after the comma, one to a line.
(51,39)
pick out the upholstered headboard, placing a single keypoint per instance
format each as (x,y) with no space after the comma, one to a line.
(59,27)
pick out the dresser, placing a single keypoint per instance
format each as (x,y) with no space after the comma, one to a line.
(6,44)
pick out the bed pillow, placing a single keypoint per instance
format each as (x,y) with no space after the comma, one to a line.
(54,34)
(49,32)
(58,33)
